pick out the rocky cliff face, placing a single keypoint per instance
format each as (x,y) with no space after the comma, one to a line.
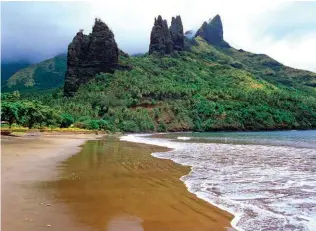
(176,32)
(164,40)
(212,32)
(89,55)
(160,39)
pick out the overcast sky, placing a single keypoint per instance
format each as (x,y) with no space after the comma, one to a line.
(285,31)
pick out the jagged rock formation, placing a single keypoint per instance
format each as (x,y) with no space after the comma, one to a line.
(160,38)
(212,32)
(176,32)
(89,55)
(164,40)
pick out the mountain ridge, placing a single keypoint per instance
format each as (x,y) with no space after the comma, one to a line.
(48,74)
(206,87)
(212,32)
(9,68)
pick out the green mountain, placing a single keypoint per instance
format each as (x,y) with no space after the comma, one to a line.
(261,65)
(8,69)
(270,69)
(47,74)
(198,84)
(204,89)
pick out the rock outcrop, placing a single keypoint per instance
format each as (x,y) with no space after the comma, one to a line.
(89,55)
(164,40)
(176,32)
(212,32)
(160,39)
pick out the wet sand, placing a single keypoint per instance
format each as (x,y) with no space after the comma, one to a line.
(108,185)
(26,161)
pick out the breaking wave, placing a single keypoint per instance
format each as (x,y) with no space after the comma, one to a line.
(267,187)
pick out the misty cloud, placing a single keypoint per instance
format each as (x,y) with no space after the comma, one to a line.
(36,30)
(39,30)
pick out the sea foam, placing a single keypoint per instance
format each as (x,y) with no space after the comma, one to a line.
(267,187)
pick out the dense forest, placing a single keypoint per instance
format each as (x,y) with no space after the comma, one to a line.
(204,88)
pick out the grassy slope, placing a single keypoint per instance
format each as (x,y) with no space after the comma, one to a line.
(8,69)
(201,90)
(271,70)
(45,75)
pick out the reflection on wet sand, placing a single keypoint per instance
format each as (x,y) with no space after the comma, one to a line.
(25,161)
(113,185)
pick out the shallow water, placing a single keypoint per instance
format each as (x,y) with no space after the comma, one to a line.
(115,186)
(266,179)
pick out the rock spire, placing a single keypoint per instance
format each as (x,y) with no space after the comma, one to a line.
(89,55)
(212,32)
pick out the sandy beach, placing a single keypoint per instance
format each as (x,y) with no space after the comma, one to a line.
(26,161)
(108,185)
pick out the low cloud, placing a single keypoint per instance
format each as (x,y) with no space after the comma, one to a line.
(39,30)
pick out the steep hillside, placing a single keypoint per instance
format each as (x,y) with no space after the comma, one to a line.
(45,75)
(202,90)
(199,84)
(261,65)
(8,69)
(271,69)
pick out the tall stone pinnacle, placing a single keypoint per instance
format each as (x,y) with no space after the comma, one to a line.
(160,39)
(176,32)
(89,55)
(212,32)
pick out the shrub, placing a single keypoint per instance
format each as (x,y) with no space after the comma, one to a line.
(91,124)
(67,120)
(80,125)
(161,128)
(104,125)
(237,65)
(129,126)
(84,118)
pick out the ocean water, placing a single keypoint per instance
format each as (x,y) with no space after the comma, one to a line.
(267,180)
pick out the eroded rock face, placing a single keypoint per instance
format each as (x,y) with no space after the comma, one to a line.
(89,55)
(160,38)
(202,32)
(212,32)
(164,40)
(176,32)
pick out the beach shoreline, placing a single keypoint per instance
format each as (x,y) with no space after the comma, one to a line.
(27,160)
(36,167)
(130,138)
(229,175)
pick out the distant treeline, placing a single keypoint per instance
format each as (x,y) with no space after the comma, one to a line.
(33,114)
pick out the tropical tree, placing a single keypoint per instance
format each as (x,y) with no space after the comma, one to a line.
(66,121)
(10,112)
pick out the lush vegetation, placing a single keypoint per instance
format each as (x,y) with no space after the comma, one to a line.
(42,76)
(271,70)
(8,69)
(31,113)
(205,89)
